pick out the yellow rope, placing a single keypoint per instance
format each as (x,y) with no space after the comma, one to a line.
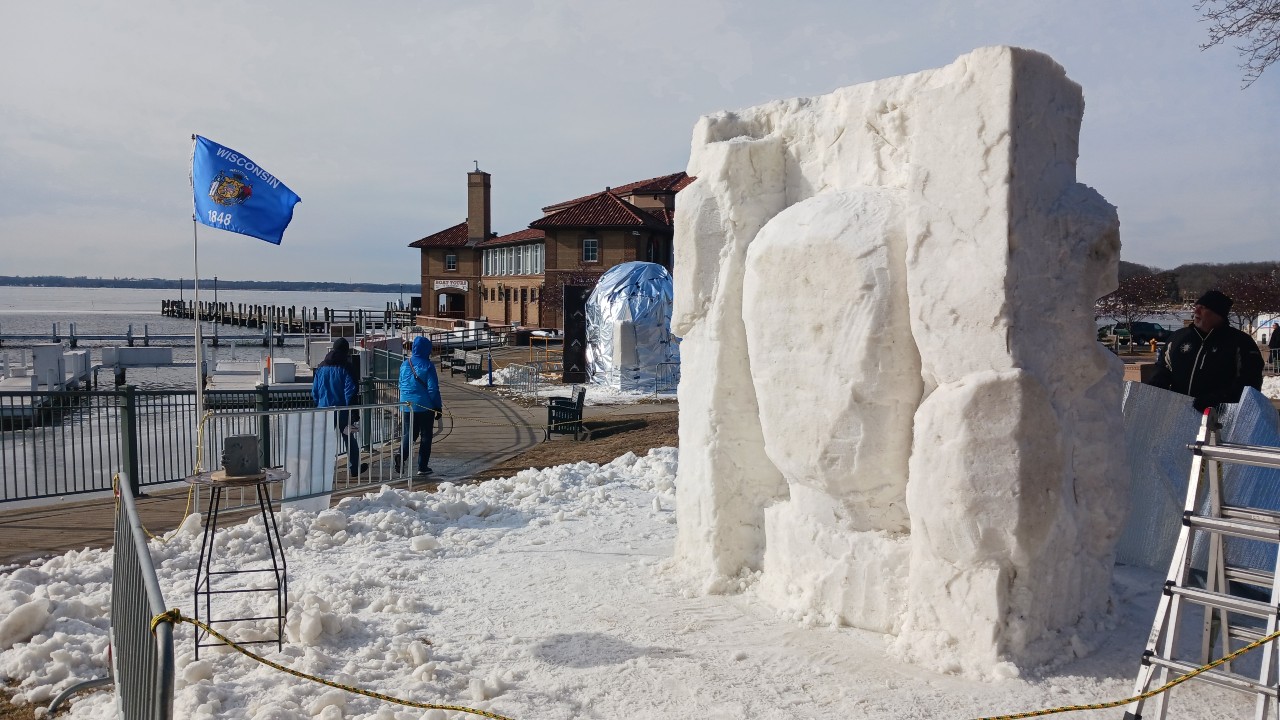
(175,616)
(1149,694)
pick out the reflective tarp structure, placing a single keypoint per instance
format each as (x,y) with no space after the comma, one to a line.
(1158,426)
(629,340)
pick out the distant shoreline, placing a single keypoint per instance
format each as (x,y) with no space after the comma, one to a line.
(186,284)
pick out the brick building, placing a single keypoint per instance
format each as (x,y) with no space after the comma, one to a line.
(471,272)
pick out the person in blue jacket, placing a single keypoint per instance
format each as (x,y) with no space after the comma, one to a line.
(420,398)
(335,386)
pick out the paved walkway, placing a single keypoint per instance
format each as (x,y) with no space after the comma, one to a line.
(480,430)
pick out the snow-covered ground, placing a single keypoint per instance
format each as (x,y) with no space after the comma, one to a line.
(548,595)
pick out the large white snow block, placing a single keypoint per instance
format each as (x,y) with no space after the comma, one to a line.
(885,295)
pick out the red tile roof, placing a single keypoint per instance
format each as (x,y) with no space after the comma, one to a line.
(674,182)
(600,210)
(665,216)
(455,236)
(518,236)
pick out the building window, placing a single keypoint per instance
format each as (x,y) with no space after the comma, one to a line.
(450,261)
(590,250)
(519,256)
(487,268)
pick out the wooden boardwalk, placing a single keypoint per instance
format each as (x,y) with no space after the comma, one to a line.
(485,430)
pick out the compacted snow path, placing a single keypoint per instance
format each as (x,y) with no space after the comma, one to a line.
(547,595)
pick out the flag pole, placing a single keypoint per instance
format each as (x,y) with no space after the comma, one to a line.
(195,245)
(195,248)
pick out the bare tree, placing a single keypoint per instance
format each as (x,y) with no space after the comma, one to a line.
(1255,23)
(1135,298)
(1251,294)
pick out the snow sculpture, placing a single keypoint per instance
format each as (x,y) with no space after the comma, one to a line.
(894,405)
(629,340)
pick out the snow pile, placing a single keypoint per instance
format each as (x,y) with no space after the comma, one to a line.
(1271,387)
(549,595)
(354,578)
(915,431)
(509,375)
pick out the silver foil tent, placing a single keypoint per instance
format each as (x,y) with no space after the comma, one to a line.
(629,340)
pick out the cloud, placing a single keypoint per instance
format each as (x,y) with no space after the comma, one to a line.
(374,113)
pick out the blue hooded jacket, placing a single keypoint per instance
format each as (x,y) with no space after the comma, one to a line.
(334,384)
(419,386)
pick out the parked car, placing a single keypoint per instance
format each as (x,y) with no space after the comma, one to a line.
(1139,332)
(1107,331)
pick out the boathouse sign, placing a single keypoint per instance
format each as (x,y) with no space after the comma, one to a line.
(460,284)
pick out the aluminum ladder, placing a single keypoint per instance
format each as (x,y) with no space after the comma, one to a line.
(1206,513)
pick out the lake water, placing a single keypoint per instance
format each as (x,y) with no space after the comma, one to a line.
(101,311)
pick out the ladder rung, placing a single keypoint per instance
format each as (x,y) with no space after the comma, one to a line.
(1246,633)
(1257,455)
(1226,680)
(1227,602)
(1251,513)
(1237,528)
(1250,577)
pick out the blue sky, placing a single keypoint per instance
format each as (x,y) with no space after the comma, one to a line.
(374,112)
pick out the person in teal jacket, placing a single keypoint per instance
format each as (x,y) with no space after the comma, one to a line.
(420,398)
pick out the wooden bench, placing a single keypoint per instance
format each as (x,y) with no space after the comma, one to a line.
(564,415)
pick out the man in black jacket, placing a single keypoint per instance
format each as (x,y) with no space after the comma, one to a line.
(1210,360)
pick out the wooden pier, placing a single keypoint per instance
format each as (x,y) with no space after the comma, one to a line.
(285,319)
(273,324)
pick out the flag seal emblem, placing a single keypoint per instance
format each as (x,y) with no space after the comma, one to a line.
(230,187)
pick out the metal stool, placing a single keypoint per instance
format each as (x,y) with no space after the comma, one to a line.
(218,482)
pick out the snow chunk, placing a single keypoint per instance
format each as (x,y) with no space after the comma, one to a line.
(24,622)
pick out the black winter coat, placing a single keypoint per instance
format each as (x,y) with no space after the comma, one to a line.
(1213,368)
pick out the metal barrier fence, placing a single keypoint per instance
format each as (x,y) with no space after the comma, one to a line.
(529,379)
(142,662)
(306,443)
(66,443)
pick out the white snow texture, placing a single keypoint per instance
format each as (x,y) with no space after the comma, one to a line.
(913,430)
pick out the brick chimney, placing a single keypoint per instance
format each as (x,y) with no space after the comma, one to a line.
(478,215)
